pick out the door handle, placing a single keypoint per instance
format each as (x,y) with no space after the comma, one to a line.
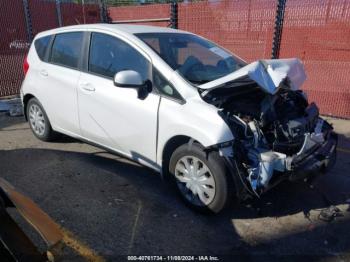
(44,72)
(87,87)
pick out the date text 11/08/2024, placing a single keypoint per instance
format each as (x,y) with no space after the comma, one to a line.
(173,258)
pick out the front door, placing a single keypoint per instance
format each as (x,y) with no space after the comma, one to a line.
(112,116)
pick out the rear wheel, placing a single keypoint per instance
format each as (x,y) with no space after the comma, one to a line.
(38,121)
(200,178)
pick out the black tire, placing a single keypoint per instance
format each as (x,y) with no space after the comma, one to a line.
(48,134)
(217,167)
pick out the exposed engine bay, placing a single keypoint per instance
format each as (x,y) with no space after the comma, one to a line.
(273,133)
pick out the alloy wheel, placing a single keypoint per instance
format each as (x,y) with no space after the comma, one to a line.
(37,119)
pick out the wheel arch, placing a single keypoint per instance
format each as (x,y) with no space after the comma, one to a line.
(170,146)
(26,98)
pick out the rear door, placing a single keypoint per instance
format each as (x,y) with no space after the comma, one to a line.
(59,79)
(112,116)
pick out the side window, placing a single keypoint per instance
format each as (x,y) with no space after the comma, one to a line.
(66,49)
(109,55)
(164,87)
(41,45)
(152,42)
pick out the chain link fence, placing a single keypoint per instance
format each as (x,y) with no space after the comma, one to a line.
(245,27)
(158,15)
(21,20)
(13,45)
(316,31)
(43,15)
(73,13)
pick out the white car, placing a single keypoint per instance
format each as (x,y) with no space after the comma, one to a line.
(218,127)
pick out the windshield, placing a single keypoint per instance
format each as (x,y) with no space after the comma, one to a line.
(196,59)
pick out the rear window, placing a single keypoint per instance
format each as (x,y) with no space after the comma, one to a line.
(66,49)
(41,45)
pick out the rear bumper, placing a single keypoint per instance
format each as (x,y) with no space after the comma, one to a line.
(320,160)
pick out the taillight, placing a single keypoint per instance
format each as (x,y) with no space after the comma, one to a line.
(25,65)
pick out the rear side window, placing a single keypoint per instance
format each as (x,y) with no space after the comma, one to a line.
(109,55)
(66,49)
(41,45)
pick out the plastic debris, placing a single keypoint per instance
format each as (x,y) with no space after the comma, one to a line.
(15,107)
(16,111)
(4,106)
(330,213)
(12,106)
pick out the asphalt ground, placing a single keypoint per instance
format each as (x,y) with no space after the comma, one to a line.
(109,207)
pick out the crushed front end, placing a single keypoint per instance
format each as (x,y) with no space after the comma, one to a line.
(277,134)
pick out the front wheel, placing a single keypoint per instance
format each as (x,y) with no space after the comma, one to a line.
(200,178)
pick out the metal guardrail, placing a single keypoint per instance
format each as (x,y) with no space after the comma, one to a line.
(15,245)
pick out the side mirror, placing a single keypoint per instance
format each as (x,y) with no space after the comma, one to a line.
(133,79)
(128,78)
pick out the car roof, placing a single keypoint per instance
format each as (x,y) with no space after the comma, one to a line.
(125,28)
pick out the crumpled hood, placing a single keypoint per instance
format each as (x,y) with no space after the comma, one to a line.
(268,74)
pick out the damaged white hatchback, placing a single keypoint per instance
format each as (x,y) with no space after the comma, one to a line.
(218,127)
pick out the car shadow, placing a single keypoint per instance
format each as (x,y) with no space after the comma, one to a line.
(119,207)
(115,206)
(6,122)
(62,139)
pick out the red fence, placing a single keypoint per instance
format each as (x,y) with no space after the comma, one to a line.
(124,13)
(12,45)
(316,31)
(244,27)
(14,40)
(73,14)
(43,15)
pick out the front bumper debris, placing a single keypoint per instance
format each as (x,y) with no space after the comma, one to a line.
(321,159)
(268,168)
